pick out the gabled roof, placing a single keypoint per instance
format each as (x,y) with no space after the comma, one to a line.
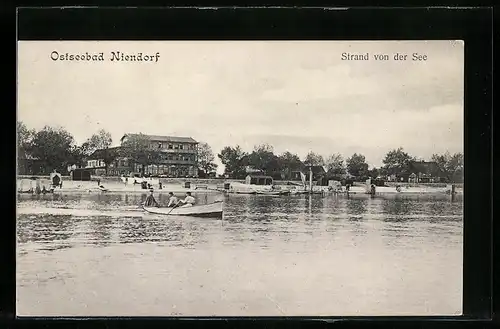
(259,176)
(99,154)
(174,139)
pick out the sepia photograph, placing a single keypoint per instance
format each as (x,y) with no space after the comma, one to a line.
(240,178)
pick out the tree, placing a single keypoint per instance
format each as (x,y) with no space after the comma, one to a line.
(206,158)
(455,167)
(374,172)
(76,156)
(234,160)
(109,155)
(100,141)
(314,159)
(357,166)
(24,139)
(289,162)
(451,165)
(335,165)
(137,148)
(53,147)
(441,161)
(397,162)
(263,158)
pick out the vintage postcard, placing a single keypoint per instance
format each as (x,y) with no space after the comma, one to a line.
(240,178)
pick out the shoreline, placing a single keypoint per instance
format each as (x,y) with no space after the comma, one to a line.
(114,185)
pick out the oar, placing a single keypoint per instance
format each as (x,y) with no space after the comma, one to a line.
(175,206)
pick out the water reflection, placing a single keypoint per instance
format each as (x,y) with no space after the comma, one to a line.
(356,207)
(94,251)
(262,220)
(101,230)
(44,228)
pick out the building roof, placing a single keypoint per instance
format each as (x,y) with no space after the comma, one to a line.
(259,176)
(429,168)
(175,139)
(99,154)
(83,169)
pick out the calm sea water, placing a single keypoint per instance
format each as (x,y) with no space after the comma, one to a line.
(100,255)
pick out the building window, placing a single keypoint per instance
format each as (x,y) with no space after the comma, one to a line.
(176,147)
(181,146)
(159,145)
(170,146)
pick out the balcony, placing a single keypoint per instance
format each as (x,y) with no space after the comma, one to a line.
(177,162)
(163,150)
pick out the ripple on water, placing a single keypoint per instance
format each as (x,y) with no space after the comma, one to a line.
(94,250)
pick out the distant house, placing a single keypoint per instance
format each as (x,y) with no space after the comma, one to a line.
(259,180)
(97,165)
(425,172)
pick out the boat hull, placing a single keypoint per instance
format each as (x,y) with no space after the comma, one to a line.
(275,193)
(213,210)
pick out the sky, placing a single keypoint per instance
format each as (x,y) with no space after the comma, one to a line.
(298,96)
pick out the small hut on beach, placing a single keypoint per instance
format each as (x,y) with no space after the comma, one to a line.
(258,180)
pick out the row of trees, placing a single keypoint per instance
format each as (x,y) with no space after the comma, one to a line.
(262,157)
(55,148)
(396,162)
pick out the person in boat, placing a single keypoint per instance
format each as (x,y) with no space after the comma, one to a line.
(172,201)
(151,201)
(188,201)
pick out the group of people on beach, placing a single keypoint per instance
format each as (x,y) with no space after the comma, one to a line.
(173,201)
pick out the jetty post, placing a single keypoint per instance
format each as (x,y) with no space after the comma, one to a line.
(310,179)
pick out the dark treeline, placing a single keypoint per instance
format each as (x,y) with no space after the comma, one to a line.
(56,149)
(396,163)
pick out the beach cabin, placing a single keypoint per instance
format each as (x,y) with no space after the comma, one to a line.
(80,174)
(258,180)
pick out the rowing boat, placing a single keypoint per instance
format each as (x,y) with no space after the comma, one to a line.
(206,210)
